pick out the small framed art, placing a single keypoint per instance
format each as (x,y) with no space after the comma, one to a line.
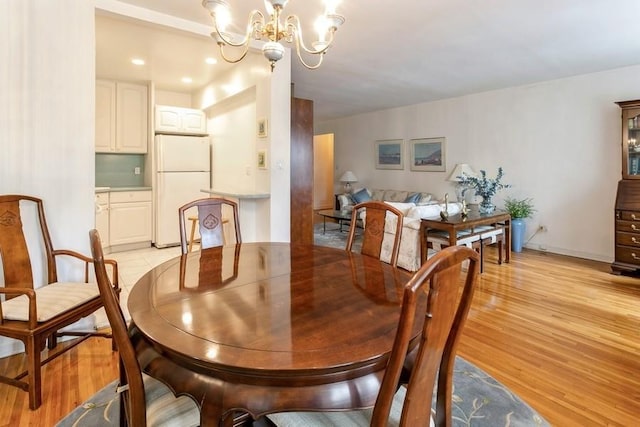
(428,155)
(262,128)
(262,159)
(389,154)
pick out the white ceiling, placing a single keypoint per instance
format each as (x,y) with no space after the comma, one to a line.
(395,53)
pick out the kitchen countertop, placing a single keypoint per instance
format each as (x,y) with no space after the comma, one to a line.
(236,195)
(113,189)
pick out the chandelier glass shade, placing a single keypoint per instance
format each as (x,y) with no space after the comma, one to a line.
(273,30)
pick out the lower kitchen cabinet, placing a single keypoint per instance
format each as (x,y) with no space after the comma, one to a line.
(102,217)
(129,219)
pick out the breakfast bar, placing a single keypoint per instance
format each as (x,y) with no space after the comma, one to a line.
(253,209)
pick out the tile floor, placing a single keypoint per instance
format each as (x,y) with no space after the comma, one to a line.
(131,266)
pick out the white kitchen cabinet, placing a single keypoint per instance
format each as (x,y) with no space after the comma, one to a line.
(105,139)
(121,117)
(102,217)
(180,120)
(129,217)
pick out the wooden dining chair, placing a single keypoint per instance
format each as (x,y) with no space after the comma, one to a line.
(210,222)
(432,294)
(143,400)
(374,217)
(35,305)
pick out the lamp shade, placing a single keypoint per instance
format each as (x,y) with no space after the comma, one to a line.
(459,170)
(348,176)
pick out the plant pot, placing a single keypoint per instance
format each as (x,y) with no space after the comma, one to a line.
(518,229)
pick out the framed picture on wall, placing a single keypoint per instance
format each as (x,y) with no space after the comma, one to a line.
(262,128)
(389,154)
(262,159)
(428,155)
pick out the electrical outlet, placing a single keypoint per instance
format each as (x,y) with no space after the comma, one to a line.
(136,170)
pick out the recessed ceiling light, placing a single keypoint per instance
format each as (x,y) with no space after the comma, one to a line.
(187,80)
(137,61)
(211,61)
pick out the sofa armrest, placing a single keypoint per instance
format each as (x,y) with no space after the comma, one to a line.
(345,202)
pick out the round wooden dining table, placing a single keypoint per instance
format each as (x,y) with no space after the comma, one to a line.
(258,328)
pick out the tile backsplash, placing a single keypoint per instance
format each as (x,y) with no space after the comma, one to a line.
(118,170)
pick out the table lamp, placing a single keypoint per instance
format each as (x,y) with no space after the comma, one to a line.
(460,170)
(347,178)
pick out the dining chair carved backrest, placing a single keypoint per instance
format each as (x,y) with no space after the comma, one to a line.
(144,400)
(374,216)
(432,294)
(210,222)
(35,305)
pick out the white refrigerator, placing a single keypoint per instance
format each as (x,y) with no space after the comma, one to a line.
(182,167)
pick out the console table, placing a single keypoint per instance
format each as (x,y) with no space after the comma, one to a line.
(472,222)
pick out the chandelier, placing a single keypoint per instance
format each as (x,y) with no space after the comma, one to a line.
(273,31)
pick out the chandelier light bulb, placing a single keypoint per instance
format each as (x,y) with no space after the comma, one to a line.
(322,26)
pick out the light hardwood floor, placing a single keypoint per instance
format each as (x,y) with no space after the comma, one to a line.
(562,333)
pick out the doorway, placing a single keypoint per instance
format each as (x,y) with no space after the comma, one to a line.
(323,168)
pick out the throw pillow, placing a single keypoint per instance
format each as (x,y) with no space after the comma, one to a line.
(413,198)
(424,199)
(361,196)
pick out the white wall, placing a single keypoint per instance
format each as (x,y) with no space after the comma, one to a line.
(47,111)
(175,99)
(558,142)
(234,142)
(234,102)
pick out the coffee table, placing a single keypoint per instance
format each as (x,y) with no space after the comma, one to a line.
(341,216)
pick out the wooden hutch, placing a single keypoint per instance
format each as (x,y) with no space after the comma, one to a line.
(627,209)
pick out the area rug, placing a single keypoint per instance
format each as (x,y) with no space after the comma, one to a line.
(478,400)
(333,237)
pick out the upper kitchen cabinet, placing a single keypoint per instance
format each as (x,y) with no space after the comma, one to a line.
(186,121)
(121,117)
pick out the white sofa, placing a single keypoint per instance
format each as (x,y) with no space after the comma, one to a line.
(409,254)
(346,201)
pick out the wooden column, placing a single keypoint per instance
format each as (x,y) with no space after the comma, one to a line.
(301,171)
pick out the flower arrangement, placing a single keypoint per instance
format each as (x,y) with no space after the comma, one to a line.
(485,187)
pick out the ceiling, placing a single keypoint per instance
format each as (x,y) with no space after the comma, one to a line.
(390,54)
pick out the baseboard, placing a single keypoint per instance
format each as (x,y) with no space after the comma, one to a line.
(568,252)
(129,246)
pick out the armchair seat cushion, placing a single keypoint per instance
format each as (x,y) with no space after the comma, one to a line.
(51,300)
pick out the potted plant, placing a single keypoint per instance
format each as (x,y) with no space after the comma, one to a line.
(519,209)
